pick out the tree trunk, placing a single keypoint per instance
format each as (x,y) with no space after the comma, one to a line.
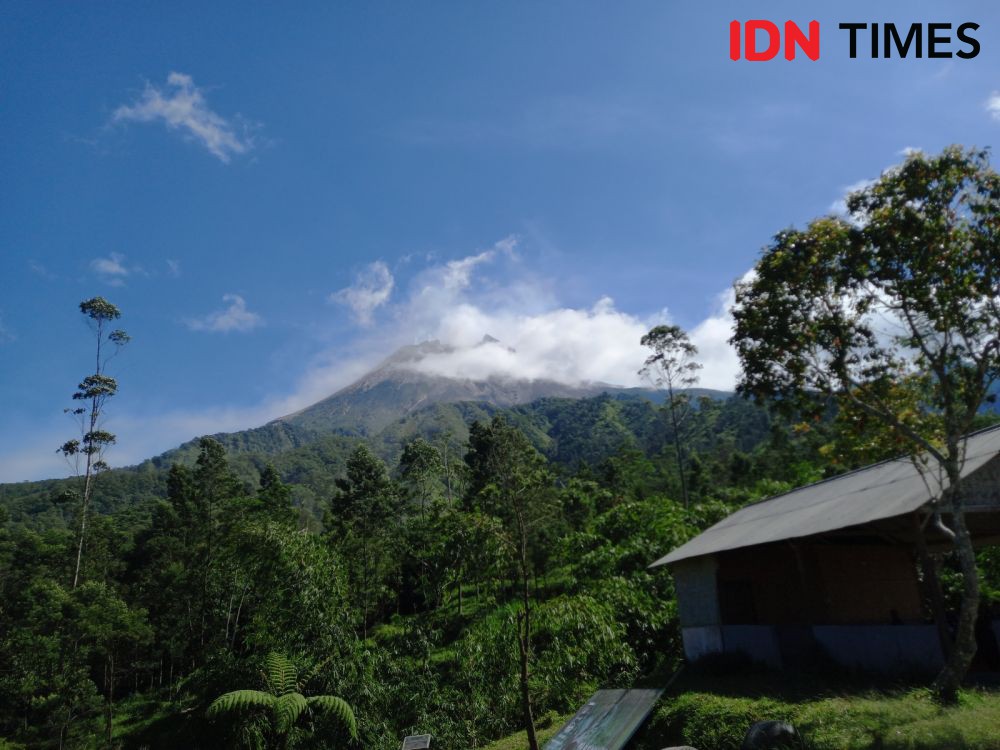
(236,624)
(677,445)
(956,666)
(524,641)
(87,485)
(229,617)
(529,719)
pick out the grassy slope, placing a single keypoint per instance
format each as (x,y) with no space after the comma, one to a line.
(519,741)
(714,714)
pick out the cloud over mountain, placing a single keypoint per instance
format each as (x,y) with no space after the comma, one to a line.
(371,289)
(489,292)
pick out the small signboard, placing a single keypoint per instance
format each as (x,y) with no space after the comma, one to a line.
(417,742)
(607,722)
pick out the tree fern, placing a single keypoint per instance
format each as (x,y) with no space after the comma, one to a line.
(338,707)
(287,710)
(283,704)
(240,700)
(281,674)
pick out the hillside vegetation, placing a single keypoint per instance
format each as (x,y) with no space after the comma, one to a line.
(389,570)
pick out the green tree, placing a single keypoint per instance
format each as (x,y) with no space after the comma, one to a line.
(510,480)
(216,491)
(363,515)
(184,568)
(905,291)
(164,572)
(672,366)
(105,626)
(45,680)
(283,705)
(275,496)
(93,391)
(421,468)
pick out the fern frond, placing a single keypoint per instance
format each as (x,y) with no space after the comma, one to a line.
(239,700)
(339,708)
(287,710)
(281,673)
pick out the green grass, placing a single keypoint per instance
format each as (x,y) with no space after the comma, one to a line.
(519,741)
(715,713)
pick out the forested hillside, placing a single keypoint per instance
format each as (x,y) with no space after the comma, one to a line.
(566,430)
(384,569)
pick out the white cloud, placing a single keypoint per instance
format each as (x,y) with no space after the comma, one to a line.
(839,206)
(720,363)
(599,344)
(111,270)
(236,317)
(538,337)
(457,274)
(993,105)
(371,289)
(173,268)
(182,106)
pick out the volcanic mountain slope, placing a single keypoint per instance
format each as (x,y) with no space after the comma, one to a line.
(398,387)
(397,401)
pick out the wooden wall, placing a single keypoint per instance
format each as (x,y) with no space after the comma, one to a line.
(809,582)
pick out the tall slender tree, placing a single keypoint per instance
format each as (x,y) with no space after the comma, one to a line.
(510,480)
(87,452)
(673,367)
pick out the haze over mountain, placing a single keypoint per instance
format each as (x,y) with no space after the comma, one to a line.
(410,380)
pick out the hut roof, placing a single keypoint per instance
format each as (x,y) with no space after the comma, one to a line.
(880,491)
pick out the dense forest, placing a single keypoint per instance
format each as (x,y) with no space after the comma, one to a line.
(392,573)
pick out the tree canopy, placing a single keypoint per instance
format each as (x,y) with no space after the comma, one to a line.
(894,312)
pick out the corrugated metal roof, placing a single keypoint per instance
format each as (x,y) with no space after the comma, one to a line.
(883,490)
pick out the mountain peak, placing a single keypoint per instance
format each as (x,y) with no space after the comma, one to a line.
(399,385)
(415,352)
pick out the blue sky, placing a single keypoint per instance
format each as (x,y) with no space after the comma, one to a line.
(277,196)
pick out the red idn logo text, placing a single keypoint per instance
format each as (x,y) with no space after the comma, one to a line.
(755,33)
